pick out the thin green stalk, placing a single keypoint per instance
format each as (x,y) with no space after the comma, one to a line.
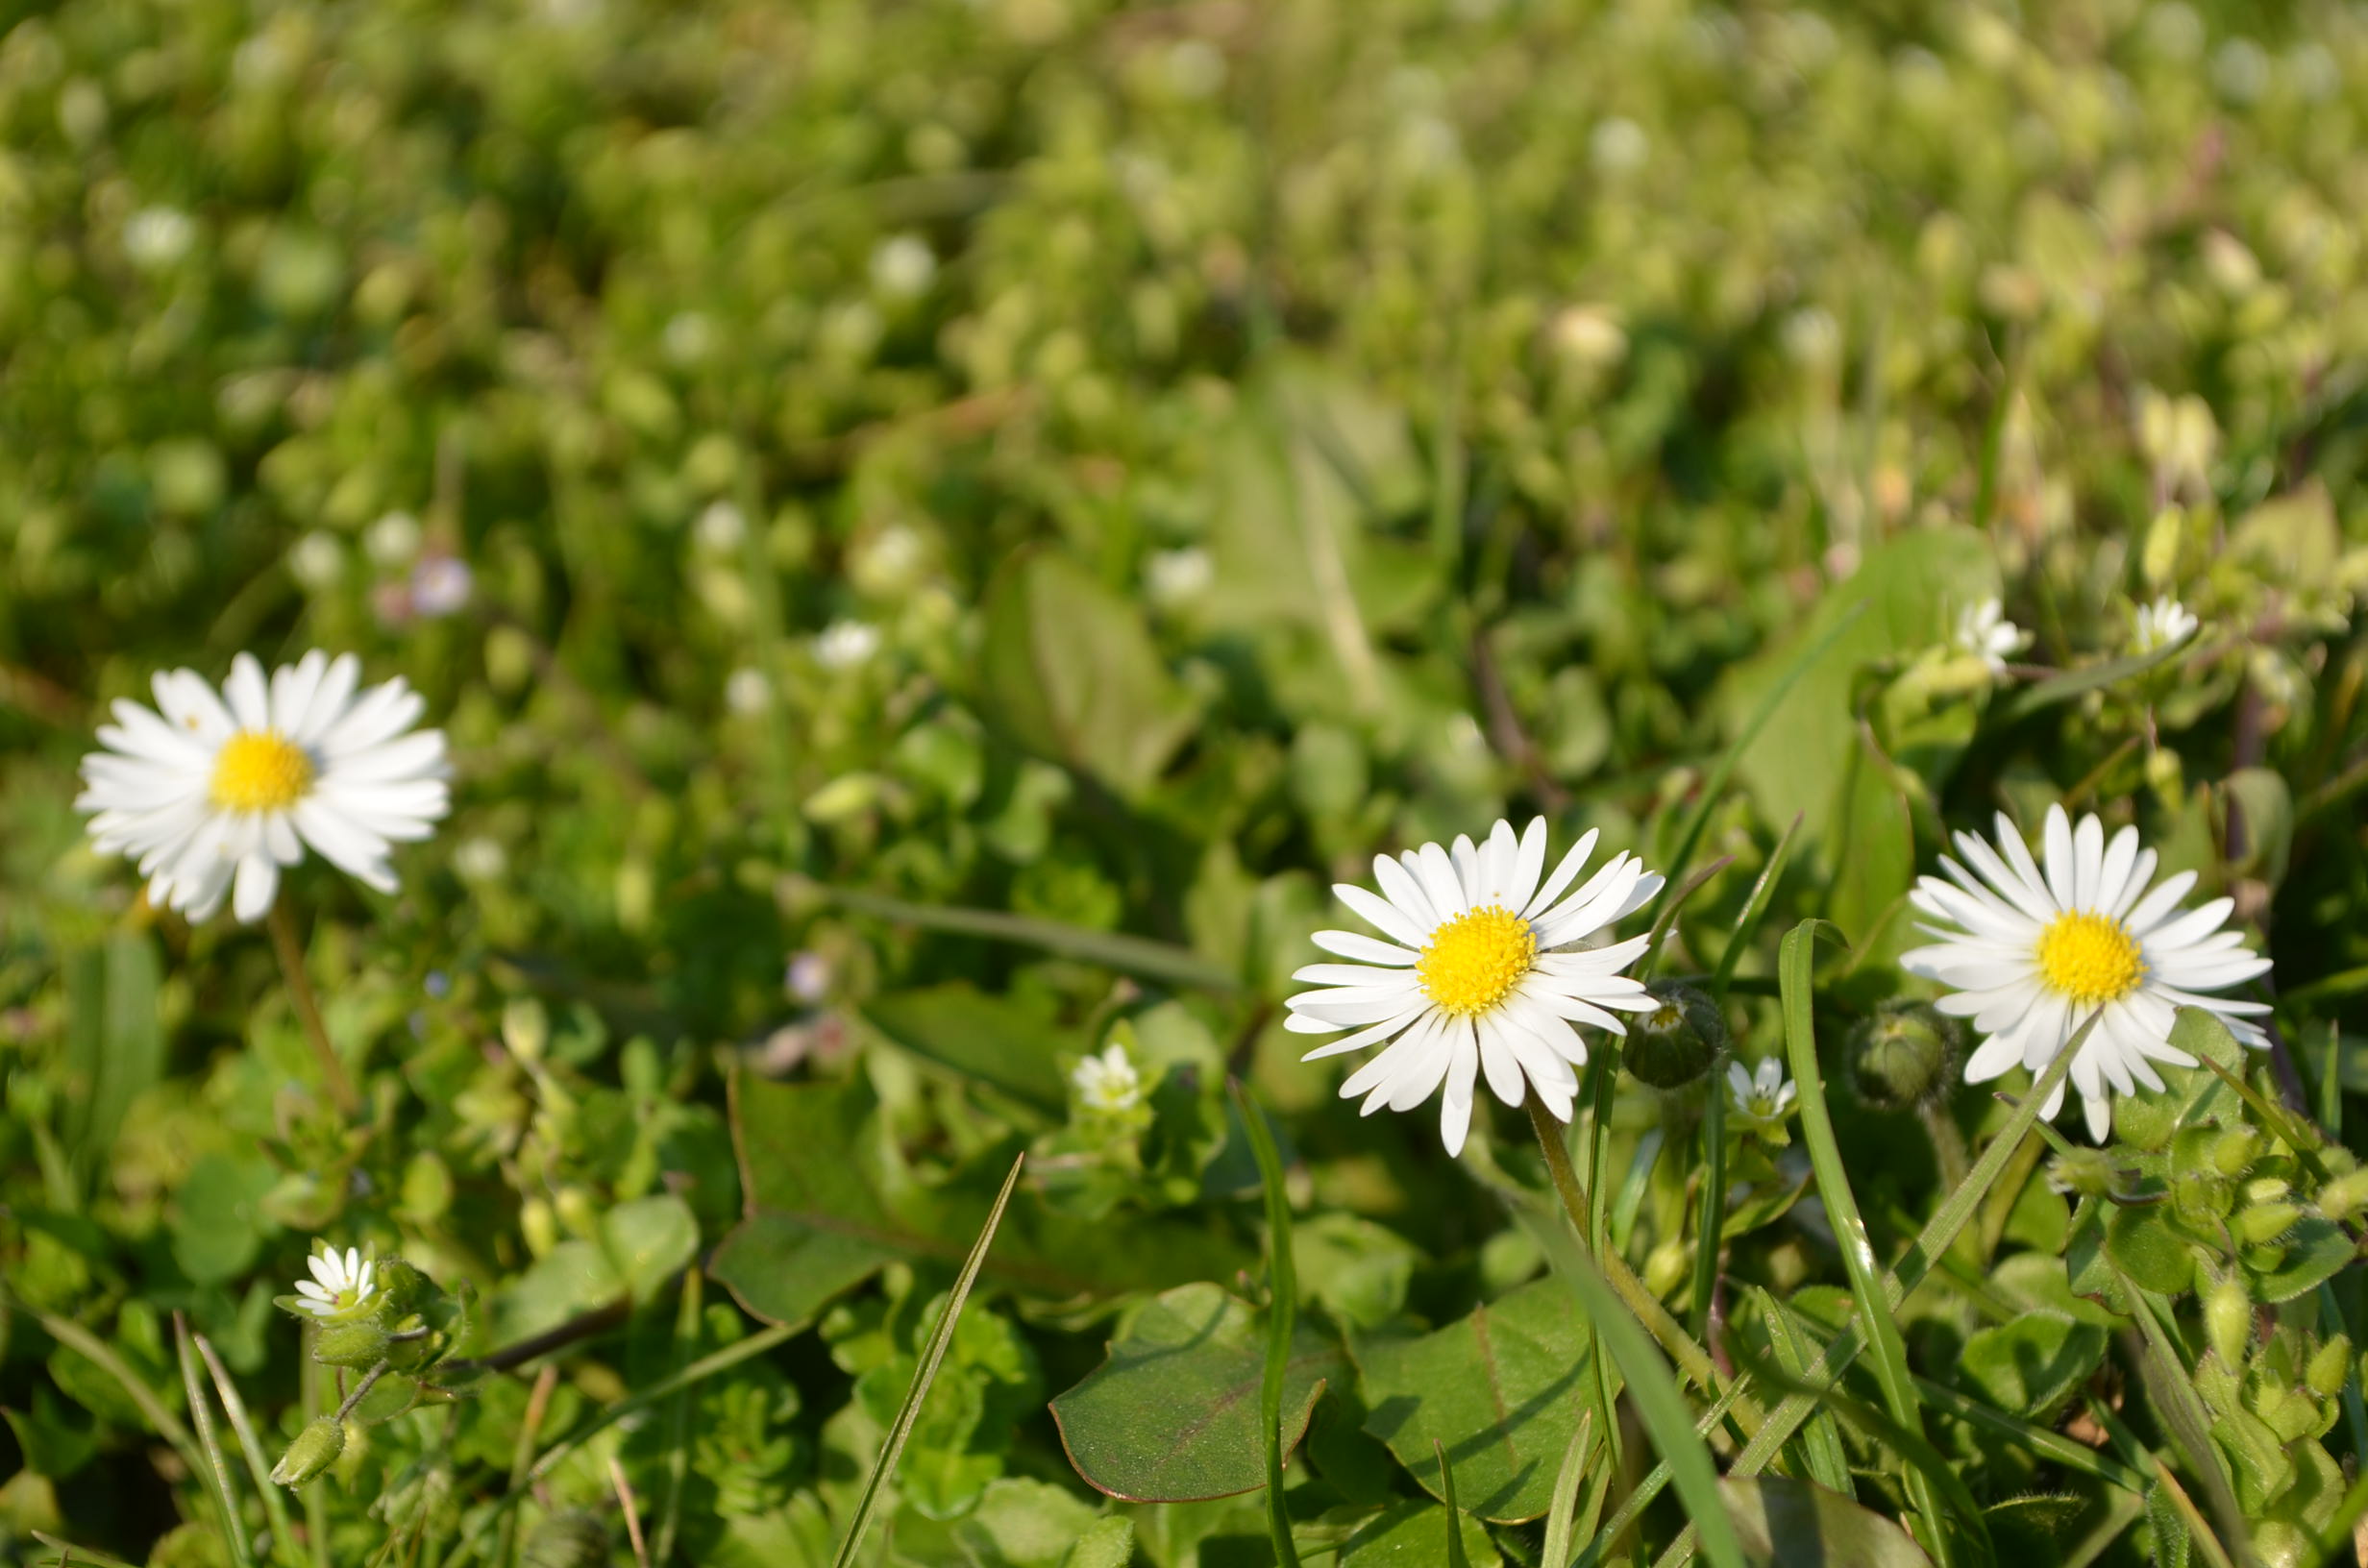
(1711,1226)
(2170,1388)
(1282,1305)
(1668,904)
(275,1500)
(1457,1557)
(1111,949)
(522,1460)
(932,1355)
(75,1338)
(1563,1506)
(291,954)
(216,1469)
(679,1422)
(1605,1546)
(309,1376)
(1747,924)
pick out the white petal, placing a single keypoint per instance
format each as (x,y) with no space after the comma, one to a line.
(1435,872)
(1572,864)
(1455,1105)
(250,698)
(2088,862)
(259,881)
(1367,1036)
(1381,915)
(1364,950)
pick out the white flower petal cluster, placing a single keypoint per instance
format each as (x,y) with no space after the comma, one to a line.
(1984,631)
(1481,975)
(2032,955)
(212,793)
(2161,623)
(1108,1082)
(1761,1098)
(341,1282)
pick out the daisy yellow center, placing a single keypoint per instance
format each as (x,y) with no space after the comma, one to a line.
(2090,959)
(261,769)
(1475,959)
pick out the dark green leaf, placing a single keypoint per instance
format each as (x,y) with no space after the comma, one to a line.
(1414,1534)
(1787,1523)
(989,1039)
(2033,1364)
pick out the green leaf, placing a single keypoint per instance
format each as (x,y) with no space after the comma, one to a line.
(1911,588)
(1069,670)
(115,1042)
(2140,1239)
(2262,809)
(2031,1532)
(1282,1322)
(649,1242)
(824,1208)
(2031,1365)
(1171,1416)
(56,1438)
(986,1039)
(1028,1524)
(1784,1523)
(1414,1534)
(1498,1388)
(219,1222)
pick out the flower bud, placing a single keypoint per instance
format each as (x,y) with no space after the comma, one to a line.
(577,1212)
(573,1539)
(2329,1365)
(526,1028)
(360,1345)
(538,1225)
(2228,1319)
(1904,1056)
(2346,1196)
(2145,1121)
(2202,1200)
(316,1449)
(2265,1221)
(2086,1173)
(1667,1266)
(404,1289)
(1673,1045)
(2234,1150)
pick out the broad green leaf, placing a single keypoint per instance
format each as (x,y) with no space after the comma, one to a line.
(2260,1462)
(2031,1532)
(2262,809)
(218,1220)
(2206,1096)
(115,1042)
(824,1208)
(649,1242)
(1414,1534)
(570,1278)
(2088,1268)
(1911,588)
(987,1039)
(1070,670)
(55,1437)
(1871,843)
(1107,1543)
(2031,1364)
(1498,1388)
(1171,1416)
(1784,1523)
(2155,1256)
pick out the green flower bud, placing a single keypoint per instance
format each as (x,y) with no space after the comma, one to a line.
(355,1455)
(2202,1200)
(2266,1188)
(2344,1197)
(2086,1173)
(2266,1259)
(573,1539)
(2235,1149)
(360,1344)
(404,1289)
(2228,1319)
(1904,1056)
(1674,1044)
(539,1225)
(2145,1121)
(2329,1365)
(316,1449)
(2266,1221)
(577,1212)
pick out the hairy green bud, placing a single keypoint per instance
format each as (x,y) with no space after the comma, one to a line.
(2228,1319)
(403,1287)
(2344,1197)
(2234,1150)
(360,1345)
(1904,1056)
(1674,1044)
(2329,1365)
(316,1449)
(2266,1221)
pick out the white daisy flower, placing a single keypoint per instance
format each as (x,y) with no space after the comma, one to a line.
(2031,956)
(1760,1100)
(844,645)
(1107,1081)
(2160,625)
(341,1282)
(1984,631)
(220,791)
(1476,977)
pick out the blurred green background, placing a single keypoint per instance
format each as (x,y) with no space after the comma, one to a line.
(1116,466)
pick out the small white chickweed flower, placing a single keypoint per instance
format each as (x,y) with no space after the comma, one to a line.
(846,643)
(214,794)
(1760,1100)
(1482,974)
(1107,1083)
(341,1282)
(2161,623)
(2031,956)
(1984,631)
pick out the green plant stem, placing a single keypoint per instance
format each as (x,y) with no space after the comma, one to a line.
(275,1500)
(291,953)
(1283,1295)
(679,1422)
(1710,1227)
(1690,1357)
(309,1402)
(217,1467)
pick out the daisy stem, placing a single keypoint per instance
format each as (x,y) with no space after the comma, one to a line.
(1690,1357)
(308,1005)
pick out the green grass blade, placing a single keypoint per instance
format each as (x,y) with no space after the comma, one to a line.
(1867,1283)
(1562,1511)
(1747,924)
(2170,1388)
(62,1554)
(883,1466)
(1457,1557)
(1667,904)
(1652,1387)
(2049,1445)
(1930,1246)
(1710,1228)
(1281,1312)
(1111,949)
(2072,683)
(284,1548)
(217,1466)
(678,1421)
(1715,785)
